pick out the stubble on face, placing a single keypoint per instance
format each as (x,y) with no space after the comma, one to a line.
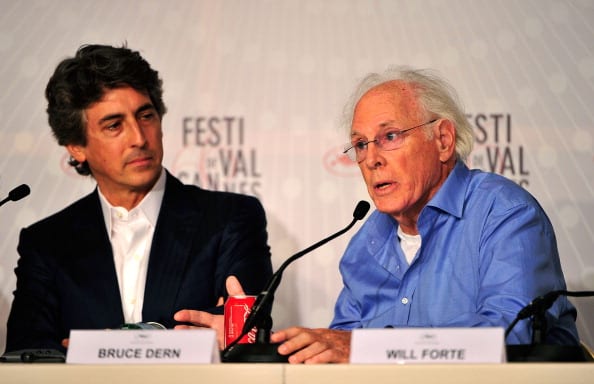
(124,145)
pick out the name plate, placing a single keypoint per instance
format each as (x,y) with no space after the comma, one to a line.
(143,347)
(427,345)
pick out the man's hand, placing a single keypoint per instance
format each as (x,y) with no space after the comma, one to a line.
(201,319)
(311,346)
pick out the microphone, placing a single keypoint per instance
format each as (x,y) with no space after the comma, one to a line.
(33,356)
(143,325)
(538,350)
(537,308)
(17,193)
(260,312)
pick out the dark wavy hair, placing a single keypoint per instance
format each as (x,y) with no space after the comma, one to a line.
(83,79)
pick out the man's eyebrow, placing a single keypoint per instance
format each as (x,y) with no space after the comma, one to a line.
(145,107)
(109,117)
(387,123)
(382,125)
(114,116)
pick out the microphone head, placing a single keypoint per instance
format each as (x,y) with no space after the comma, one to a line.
(19,192)
(361,210)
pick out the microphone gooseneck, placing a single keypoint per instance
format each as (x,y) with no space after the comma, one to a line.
(262,307)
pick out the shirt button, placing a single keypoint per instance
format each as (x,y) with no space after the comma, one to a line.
(404,300)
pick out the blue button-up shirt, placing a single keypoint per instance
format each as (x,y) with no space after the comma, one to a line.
(487,250)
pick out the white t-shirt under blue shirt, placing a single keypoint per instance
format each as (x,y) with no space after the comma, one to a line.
(487,250)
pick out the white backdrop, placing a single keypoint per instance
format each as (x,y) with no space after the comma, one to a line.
(254,91)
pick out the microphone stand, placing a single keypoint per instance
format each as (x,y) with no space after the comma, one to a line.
(260,315)
(538,350)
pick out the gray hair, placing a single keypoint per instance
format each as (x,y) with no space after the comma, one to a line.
(435,95)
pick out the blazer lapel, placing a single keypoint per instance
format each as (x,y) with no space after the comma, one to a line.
(95,260)
(169,253)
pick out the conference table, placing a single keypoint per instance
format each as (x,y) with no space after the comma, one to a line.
(242,373)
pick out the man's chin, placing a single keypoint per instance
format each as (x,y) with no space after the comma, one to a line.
(146,178)
(387,206)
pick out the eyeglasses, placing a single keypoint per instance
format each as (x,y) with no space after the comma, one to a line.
(387,141)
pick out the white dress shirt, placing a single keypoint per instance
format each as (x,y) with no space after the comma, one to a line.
(131,233)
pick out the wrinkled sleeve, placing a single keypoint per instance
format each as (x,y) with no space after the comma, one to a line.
(519,261)
(244,250)
(345,312)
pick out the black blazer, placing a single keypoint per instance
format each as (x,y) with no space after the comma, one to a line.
(66,275)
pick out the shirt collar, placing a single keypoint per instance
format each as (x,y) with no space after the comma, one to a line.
(450,197)
(150,204)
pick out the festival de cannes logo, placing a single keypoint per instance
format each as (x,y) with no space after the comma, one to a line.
(216,156)
(337,163)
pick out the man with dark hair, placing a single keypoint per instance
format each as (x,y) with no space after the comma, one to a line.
(142,247)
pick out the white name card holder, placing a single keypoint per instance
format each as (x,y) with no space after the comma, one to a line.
(143,347)
(428,345)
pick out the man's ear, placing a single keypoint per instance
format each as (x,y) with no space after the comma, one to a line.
(446,139)
(77,152)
